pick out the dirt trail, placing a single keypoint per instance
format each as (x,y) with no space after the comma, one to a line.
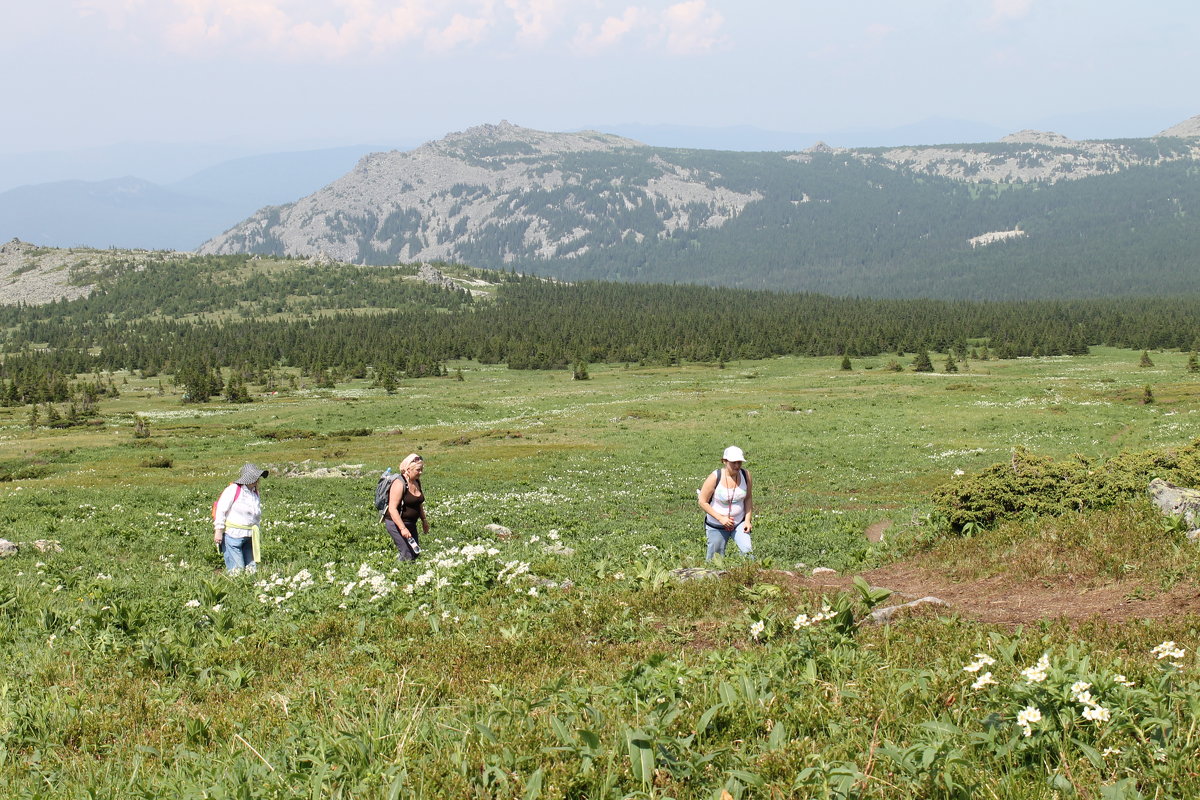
(1001,601)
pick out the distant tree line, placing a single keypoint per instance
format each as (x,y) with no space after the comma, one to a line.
(531,324)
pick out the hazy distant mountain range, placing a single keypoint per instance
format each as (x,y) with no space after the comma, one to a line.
(177,214)
(1035,214)
(91,196)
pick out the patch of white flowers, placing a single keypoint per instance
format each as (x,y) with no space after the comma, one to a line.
(984,679)
(277,589)
(513,570)
(1027,717)
(805,621)
(1037,673)
(1169,650)
(370,580)
(1092,710)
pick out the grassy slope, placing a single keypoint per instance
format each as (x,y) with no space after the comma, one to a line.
(115,683)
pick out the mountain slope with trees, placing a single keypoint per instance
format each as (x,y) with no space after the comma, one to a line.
(1082,219)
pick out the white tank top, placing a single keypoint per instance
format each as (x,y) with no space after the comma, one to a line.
(729,499)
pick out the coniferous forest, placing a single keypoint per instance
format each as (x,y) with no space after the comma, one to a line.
(191,318)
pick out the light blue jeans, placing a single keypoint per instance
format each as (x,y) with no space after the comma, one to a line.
(719,537)
(239,553)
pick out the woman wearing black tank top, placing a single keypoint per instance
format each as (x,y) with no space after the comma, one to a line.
(406,505)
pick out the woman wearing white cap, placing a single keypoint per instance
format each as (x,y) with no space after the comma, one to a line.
(727,499)
(239,510)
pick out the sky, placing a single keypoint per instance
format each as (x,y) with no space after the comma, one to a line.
(286,74)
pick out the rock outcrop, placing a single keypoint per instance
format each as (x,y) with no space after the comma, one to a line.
(1176,501)
(1188,129)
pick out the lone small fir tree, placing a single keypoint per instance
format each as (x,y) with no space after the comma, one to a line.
(1145,362)
(846,363)
(922,362)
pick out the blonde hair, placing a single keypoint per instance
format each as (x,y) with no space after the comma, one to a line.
(408,461)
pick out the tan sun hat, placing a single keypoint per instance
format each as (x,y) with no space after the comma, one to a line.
(250,474)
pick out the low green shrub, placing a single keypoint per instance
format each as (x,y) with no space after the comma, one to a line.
(1030,484)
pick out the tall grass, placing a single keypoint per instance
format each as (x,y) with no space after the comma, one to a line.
(567,661)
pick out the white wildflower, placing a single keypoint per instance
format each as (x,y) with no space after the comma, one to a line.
(1026,717)
(983,680)
(981,660)
(757,628)
(192,604)
(1037,673)
(1096,713)
(1168,650)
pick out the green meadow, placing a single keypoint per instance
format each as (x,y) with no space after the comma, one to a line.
(567,660)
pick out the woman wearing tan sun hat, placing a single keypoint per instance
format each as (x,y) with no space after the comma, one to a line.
(239,510)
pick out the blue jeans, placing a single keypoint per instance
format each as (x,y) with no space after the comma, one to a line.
(239,553)
(719,537)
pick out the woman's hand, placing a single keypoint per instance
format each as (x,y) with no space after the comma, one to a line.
(218,536)
(728,523)
(425,525)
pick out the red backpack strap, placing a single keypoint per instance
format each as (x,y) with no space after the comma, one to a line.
(237,492)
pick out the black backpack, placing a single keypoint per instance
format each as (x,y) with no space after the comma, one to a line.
(384,487)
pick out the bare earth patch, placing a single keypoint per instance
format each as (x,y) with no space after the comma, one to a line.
(1000,601)
(875,530)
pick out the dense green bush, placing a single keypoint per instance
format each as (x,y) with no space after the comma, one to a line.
(1031,484)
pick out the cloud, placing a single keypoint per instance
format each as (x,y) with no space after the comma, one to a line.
(612,31)
(461,31)
(335,30)
(691,28)
(115,12)
(536,19)
(318,30)
(1007,11)
(681,29)
(877,32)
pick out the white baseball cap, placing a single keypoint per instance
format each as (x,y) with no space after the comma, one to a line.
(733,454)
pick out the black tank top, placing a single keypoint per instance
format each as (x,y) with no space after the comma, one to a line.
(410,505)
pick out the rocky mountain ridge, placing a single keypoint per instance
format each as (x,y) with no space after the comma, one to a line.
(425,201)
(497,194)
